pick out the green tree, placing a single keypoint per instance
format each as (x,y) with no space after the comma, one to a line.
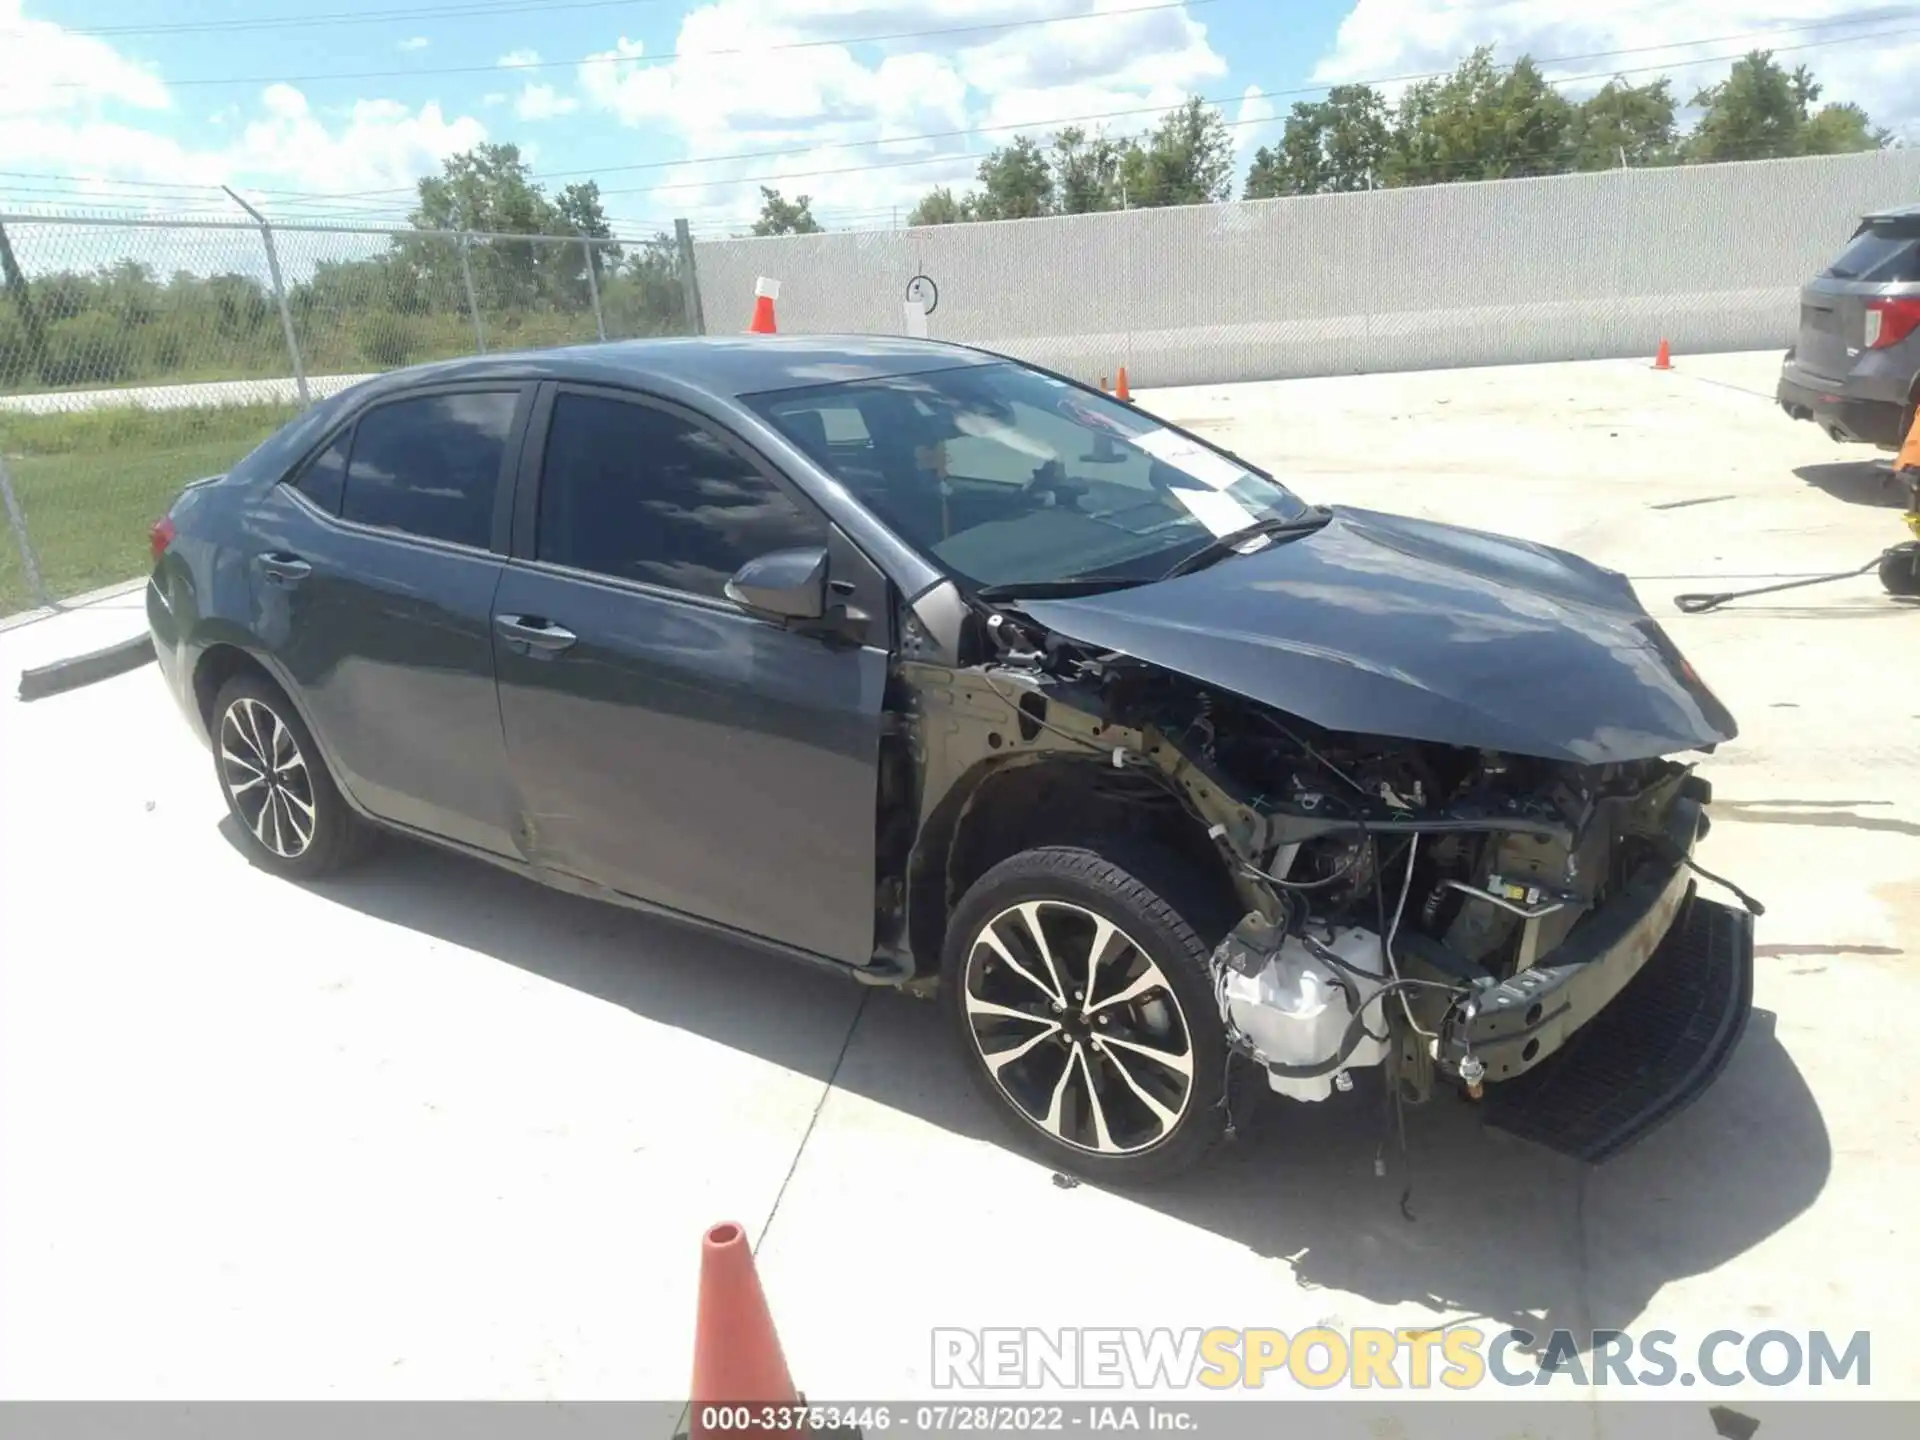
(1762,112)
(1756,113)
(491,191)
(1187,160)
(781,216)
(1626,122)
(939,206)
(1339,143)
(1015,182)
(1267,177)
(1086,170)
(644,296)
(1482,122)
(579,211)
(1841,130)
(487,188)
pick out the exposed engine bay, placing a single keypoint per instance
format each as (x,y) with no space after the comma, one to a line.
(1392,887)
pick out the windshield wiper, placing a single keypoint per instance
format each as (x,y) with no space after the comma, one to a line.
(1224,545)
(1064,589)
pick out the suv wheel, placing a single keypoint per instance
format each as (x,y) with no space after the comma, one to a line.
(293,817)
(1084,1003)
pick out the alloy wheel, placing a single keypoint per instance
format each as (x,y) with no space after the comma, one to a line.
(267,778)
(1078,1028)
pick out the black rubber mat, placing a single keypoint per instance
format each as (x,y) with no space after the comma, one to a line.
(1642,1059)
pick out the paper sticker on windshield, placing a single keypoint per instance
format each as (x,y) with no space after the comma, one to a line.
(1215,509)
(1191,458)
(1090,417)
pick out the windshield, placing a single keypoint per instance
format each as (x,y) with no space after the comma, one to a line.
(1006,477)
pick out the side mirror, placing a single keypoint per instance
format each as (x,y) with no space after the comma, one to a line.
(783,585)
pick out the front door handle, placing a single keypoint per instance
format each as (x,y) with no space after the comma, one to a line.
(281,568)
(533,634)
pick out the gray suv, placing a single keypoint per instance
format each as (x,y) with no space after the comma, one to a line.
(1855,369)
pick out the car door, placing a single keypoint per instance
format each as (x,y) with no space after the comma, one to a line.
(664,742)
(375,582)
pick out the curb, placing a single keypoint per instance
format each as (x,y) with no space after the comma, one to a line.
(79,670)
(67,607)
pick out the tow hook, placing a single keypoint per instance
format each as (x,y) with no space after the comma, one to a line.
(1472,1071)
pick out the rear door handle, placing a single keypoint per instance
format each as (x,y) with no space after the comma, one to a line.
(283,569)
(533,634)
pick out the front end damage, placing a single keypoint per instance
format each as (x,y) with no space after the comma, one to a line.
(1524,929)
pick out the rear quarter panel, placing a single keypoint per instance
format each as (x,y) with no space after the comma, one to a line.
(200,592)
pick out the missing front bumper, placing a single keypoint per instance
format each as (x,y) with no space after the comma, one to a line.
(1650,1052)
(1524,1021)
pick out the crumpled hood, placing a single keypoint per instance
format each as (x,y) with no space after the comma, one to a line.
(1386,625)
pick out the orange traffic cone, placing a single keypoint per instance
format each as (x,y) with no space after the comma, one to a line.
(736,1354)
(765,292)
(1120,390)
(1664,360)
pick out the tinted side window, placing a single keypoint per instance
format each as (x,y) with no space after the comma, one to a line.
(637,493)
(324,478)
(431,466)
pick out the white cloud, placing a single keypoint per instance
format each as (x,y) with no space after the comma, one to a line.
(1401,37)
(516,59)
(383,145)
(275,142)
(415,42)
(45,70)
(821,100)
(543,102)
(1253,124)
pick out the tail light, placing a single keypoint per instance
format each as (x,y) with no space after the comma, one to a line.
(160,537)
(1891,321)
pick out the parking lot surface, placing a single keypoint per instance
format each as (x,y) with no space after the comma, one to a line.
(429,1131)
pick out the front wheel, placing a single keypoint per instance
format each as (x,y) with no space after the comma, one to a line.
(1080,992)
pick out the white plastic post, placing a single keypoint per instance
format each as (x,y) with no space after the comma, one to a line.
(916,315)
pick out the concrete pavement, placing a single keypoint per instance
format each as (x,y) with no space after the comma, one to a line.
(429,1131)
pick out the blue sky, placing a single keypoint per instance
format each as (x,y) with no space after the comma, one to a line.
(103,96)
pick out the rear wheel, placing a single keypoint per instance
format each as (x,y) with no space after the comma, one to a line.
(1079,989)
(292,816)
(1900,570)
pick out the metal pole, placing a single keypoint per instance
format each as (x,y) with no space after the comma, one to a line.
(30,326)
(280,298)
(593,288)
(689,279)
(17,518)
(473,303)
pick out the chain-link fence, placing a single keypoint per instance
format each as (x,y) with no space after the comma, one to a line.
(138,355)
(1572,267)
(135,356)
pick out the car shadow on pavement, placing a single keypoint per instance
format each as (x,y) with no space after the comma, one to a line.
(1494,1229)
(1857,482)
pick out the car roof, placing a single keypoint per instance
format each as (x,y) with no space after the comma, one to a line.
(723,365)
(1897,212)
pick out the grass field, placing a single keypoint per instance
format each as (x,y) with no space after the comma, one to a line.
(91,485)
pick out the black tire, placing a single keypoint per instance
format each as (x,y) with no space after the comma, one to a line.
(1900,571)
(252,716)
(1173,920)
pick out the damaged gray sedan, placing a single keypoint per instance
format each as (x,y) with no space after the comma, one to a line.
(956,675)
